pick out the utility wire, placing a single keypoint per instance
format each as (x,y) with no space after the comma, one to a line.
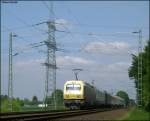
(45,4)
(91,34)
(107,26)
(25,23)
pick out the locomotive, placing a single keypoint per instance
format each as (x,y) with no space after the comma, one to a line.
(80,95)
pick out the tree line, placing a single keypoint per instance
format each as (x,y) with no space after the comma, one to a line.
(28,104)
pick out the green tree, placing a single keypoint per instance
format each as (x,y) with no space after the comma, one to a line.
(145,74)
(17,104)
(27,101)
(3,97)
(34,100)
(48,100)
(59,97)
(123,95)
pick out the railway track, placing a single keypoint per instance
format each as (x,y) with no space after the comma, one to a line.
(40,116)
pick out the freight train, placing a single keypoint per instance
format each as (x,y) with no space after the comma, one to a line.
(80,95)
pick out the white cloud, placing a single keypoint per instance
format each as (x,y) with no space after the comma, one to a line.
(70,60)
(27,63)
(31,72)
(119,66)
(60,61)
(107,47)
(62,23)
(112,68)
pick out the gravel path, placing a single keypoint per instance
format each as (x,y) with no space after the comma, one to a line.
(107,115)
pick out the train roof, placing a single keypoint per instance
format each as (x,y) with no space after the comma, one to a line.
(69,81)
(118,98)
(79,81)
(74,82)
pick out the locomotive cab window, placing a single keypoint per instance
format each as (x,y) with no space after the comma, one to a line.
(77,87)
(73,87)
(69,87)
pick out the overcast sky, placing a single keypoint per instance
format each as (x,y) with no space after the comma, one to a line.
(98,38)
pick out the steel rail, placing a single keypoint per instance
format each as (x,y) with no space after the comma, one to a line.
(40,116)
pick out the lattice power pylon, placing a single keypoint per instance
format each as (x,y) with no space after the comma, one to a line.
(50,83)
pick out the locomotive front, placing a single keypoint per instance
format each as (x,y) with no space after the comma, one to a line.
(73,94)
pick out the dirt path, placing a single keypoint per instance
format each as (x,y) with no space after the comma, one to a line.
(107,115)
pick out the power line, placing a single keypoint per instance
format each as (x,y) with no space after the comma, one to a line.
(25,23)
(30,46)
(107,26)
(35,45)
(122,34)
(58,23)
(50,10)
(80,24)
(70,12)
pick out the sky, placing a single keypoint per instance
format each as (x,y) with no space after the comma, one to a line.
(97,37)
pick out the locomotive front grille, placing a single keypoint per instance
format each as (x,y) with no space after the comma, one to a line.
(73,96)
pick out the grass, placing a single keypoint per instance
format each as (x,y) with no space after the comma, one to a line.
(137,114)
(33,108)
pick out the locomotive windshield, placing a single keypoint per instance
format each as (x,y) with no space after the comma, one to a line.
(73,87)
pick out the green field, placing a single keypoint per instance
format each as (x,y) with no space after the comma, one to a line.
(137,114)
